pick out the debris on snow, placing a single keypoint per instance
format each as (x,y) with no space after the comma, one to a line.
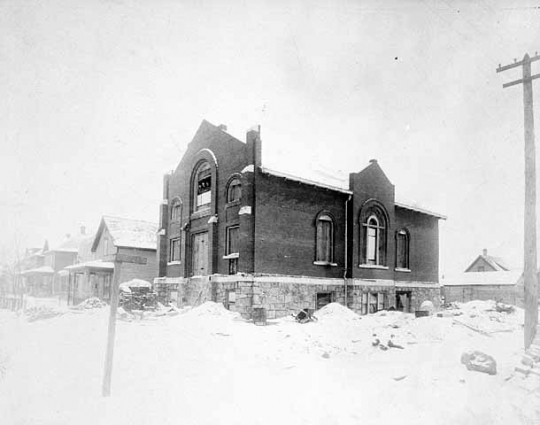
(91,303)
(42,312)
(480,362)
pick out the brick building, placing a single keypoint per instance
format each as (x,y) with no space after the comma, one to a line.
(93,275)
(236,232)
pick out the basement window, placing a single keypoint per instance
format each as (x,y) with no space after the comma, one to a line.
(324,298)
(373,302)
(230,298)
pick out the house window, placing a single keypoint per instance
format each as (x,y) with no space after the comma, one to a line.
(234,191)
(232,252)
(174,250)
(373,302)
(176,210)
(203,187)
(373,238)
(402,249)
(325,239)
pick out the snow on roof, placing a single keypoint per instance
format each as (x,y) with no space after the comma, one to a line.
(338,182)
(71,244)
(95,264)
(39,270)
(130,233)
(483,278)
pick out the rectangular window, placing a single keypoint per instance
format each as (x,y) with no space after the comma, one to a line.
(174,249)
(402,254)
(324,239)
(232,240)
(232,248)
(371,245)
(373,302)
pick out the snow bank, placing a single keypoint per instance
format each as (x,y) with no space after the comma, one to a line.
(134,283)
(90,303)
(336,311)
(211,309)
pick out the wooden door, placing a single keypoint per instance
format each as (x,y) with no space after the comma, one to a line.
(199,254)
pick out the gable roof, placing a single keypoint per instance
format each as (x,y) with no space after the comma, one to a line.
(506,277)
(128,233)
(71,244)
(496,263)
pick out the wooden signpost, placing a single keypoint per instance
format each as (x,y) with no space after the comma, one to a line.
(118,260)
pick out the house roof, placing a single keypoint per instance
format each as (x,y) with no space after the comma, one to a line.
(71,244)
(497,263)
(95,264)
(44,270)
(507,277)
(338,183)
(128,233)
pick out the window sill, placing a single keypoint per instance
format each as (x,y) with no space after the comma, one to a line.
(200,214)
(325,263)
(399,269)
(372,266)
(232,204)
(231,256)
(174,263)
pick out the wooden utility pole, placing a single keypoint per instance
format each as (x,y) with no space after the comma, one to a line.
(530,256)
(118,260)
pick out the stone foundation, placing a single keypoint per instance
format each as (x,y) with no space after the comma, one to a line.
(284,295)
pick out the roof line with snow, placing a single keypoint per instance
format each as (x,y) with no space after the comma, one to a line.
(398,204)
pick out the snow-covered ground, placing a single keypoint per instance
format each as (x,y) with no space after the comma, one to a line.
(208,366)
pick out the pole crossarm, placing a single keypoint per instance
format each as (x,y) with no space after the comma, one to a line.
(522,80)
(536,57)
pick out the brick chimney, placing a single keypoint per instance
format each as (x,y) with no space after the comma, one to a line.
(222,127)
(484,252)
(254,149)
(82,230)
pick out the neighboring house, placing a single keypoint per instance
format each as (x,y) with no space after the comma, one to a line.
(95,272)
(36,276)
(236,232)
(487,263)
(504,285)
(46,275)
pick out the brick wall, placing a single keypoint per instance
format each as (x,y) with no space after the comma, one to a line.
(505,293)
(285,240)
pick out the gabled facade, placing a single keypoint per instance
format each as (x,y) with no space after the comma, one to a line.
(236,232)
(93,274)
(487,263)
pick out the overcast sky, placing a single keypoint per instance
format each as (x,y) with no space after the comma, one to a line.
(99,98)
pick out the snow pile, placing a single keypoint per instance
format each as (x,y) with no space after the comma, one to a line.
(336,311)
(211,309)
(134,283)
(91,303)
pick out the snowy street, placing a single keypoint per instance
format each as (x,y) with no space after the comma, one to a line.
(207,366)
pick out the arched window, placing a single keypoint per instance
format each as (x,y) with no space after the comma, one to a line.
(373,237)
(176,210)
(234,190)
(203,187)
(325,239)
(402,249)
